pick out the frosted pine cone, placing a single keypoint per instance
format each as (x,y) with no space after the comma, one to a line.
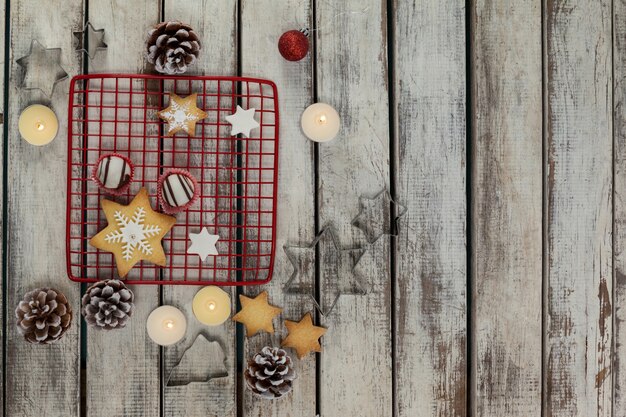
(172,47)
(43,316)
(108,304)
(270,373)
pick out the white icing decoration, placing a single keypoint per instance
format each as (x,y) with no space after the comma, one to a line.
(132,233)
(179,116)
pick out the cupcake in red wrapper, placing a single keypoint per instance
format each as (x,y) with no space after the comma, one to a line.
(177,190)
(113,173)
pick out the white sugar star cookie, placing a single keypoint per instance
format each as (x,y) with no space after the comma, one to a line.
(242,121)
(203,244)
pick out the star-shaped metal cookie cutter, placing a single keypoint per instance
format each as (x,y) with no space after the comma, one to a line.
(90,40)
(335,264)
(183,373)
(377,217)
(42,68)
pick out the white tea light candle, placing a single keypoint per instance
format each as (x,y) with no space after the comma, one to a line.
(38,125)
(320,122)
(211,305)
(166,325)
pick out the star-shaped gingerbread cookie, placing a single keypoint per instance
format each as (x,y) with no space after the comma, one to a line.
(256,314)
(182,114)
(303,336)
(133,233)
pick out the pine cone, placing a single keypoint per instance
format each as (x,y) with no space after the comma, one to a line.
(172,46)
(108,304)
(43,316)
(270,373)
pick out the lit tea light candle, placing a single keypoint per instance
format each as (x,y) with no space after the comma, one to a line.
(38,125)
(320,122)
(166,325)
(211,306)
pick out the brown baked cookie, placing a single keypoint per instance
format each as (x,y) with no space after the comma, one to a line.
(303,336)
(133,233)
(256,314)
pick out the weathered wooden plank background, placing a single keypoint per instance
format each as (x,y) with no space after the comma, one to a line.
(429,97)
(579,198)
(499,125)
(35,183)
(506,208)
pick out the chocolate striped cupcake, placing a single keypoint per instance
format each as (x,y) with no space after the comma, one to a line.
(113,173)
(177,190)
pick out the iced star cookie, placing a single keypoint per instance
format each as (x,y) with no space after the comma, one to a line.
(182,114)
(133,233)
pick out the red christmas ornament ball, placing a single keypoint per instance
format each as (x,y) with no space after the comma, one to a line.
(293,45)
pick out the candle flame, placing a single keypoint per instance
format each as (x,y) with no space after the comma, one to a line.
(168,324)
(40,126)
(212,306)
(321,119)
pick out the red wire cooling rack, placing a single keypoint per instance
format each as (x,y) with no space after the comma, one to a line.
(237,175)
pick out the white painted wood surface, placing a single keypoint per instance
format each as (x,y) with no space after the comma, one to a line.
(216,24)
(3,312)
(355,365)
(506,223)
(578,247)
(262,25)
(108,353)
(546,182)
(619,202)
(430,111)
(42,380)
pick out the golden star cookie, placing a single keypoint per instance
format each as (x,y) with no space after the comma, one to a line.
(256,314)
(182,114)
(303,336)
(133,233)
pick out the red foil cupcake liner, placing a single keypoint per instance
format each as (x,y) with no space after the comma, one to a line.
(171,209)
(113,191)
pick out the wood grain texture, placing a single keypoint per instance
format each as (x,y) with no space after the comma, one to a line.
(578,288)
(262,25)
(137,393)
(619,208)
(216,24)
(584,264)
(3,114)
(431,311)
(40,380)
(356,374)
(506,208)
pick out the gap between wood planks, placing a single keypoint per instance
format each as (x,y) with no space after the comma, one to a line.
(5,152)
(469,315)
(393,143)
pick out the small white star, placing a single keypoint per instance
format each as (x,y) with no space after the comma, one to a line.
(203,244)
(242,121)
